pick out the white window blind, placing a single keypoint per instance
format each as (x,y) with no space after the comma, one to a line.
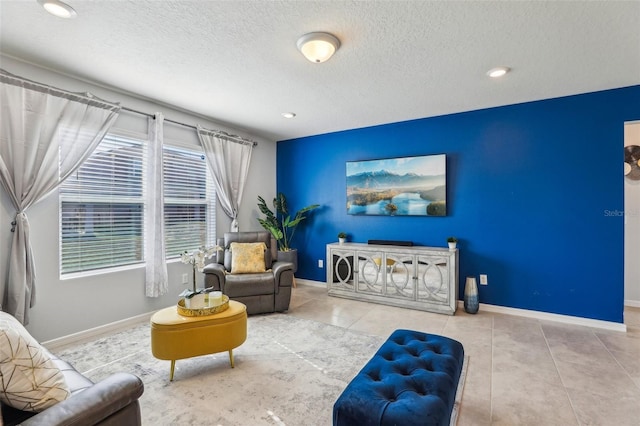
(189,201)
(101,208)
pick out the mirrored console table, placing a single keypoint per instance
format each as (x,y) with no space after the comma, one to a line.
(416,277)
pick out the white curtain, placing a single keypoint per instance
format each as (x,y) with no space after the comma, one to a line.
(45,135)
(228,158)
(156,278)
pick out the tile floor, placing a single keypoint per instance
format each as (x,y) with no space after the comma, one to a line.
(521,371)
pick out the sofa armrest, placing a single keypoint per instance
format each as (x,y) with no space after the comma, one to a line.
(214,276)
(283,274)
(94,404)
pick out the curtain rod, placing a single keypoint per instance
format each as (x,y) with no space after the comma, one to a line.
(90,98)
(85,97)
(234,138)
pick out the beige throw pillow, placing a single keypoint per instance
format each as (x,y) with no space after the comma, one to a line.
(247,258)
(29,379)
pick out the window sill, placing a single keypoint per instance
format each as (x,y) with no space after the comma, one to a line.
(84,274)
(92,273)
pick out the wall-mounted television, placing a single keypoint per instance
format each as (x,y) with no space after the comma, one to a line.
(403,186)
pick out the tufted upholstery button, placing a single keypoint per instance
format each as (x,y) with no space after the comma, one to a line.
(415,377)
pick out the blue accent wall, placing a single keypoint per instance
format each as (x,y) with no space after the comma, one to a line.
(534,194)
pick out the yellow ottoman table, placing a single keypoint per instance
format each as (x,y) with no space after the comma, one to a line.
(174,336)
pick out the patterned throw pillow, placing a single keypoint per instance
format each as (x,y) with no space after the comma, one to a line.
(247,258)
(29,379)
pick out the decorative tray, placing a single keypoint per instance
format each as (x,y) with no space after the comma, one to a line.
(203,311)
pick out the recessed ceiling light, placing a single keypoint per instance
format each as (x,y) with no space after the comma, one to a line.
(288,114)
(498,72)
(58,8)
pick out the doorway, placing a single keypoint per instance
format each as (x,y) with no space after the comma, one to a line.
(632,223)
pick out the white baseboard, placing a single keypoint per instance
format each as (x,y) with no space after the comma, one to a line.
(632,303)
(60,342)
(128,322)
(567,319)
(311,283)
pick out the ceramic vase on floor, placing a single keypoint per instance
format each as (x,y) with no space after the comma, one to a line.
(471,301)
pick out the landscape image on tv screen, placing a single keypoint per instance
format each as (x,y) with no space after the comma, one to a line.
(404,186)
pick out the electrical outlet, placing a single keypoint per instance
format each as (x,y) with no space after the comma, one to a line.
(320,263)
(185,278)
(483,279)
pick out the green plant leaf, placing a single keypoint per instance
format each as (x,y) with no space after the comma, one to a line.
(295,222)
(280,204)
(278,228)
(308,208)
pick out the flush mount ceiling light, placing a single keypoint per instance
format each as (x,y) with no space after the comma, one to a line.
(498,72)
(288,114)
(58,8)
(318,47)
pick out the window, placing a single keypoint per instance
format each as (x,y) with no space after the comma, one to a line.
(102,206)
(189,201)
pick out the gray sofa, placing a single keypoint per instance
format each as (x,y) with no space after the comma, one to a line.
(110,402)
(261,292)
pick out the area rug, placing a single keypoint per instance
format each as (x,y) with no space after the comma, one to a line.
(290,371)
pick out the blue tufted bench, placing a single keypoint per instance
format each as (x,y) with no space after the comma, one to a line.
(411,380)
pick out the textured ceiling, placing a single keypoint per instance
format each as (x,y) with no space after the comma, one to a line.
(237,62)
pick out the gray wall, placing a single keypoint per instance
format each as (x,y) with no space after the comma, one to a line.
(68,306)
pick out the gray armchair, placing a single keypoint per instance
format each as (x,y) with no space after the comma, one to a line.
(111,401)
(261,292)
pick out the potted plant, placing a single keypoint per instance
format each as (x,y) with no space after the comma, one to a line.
(452,241)
(342,237)
(282,226)
(197,260)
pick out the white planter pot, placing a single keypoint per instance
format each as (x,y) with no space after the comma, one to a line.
(452,246)
(196,302)
(342,240)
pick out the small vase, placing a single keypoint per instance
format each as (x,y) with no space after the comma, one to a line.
(215,298)
(471,301)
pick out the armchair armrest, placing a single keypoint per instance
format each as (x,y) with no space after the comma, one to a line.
(283,274)
(214,276)
(94,404)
